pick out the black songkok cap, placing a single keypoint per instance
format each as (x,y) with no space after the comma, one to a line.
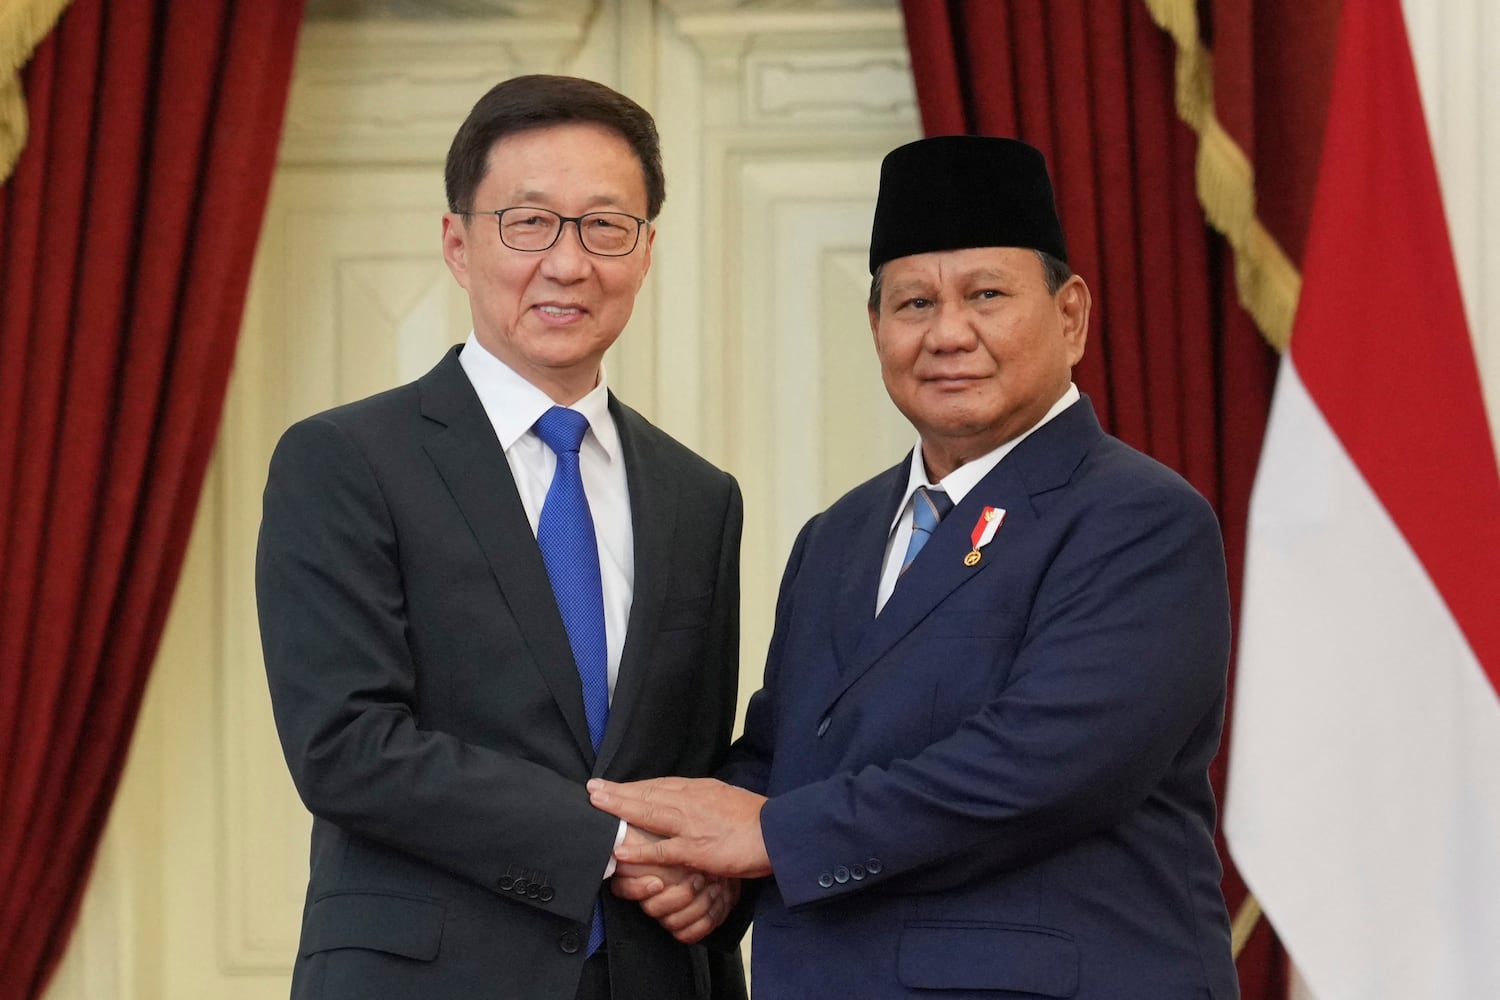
(952,192)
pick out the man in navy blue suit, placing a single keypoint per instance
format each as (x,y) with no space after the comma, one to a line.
(979,761)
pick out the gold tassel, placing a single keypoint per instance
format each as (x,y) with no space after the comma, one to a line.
(1244,925)
(1265,277)
(23,25)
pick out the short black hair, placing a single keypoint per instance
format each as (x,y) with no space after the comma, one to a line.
(539,100)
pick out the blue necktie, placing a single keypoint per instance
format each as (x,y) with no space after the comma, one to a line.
(928,508)
(565,534)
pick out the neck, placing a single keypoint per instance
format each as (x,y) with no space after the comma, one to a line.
(563,387)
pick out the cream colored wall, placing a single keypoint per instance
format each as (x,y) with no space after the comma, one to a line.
(749,343)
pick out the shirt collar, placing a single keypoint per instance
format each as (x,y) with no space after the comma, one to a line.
(961,480)
(514,405)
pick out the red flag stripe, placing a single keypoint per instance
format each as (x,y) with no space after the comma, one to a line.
(1405,400)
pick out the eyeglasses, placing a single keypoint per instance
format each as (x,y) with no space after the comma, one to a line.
(608,234)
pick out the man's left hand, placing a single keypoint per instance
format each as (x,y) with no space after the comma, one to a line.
(689,908)
(707,824)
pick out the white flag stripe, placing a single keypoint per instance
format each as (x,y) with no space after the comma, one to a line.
(1358,660)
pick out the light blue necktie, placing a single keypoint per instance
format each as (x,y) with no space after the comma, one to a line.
(928,508)
(565,534)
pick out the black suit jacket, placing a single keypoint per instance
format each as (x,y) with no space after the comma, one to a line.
(431,713)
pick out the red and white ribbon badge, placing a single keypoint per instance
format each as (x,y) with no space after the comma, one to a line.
(984,529)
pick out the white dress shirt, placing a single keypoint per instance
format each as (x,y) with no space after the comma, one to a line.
(514,406)
(956,484)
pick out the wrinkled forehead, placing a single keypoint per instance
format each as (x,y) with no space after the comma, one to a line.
(1009,264)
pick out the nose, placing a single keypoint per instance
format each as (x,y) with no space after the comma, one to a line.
(951,329)
(566,260)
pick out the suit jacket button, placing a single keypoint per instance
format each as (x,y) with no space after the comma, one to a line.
(545,894)
(520,887)
(873,866)
(823,725)
(826,880)
(841,874)
(533,890)
(505,883)
(857,872)
(569,942)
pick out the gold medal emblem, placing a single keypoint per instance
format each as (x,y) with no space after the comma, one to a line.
(992,513)
(972,558)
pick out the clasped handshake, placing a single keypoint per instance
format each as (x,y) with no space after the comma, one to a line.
(688,843)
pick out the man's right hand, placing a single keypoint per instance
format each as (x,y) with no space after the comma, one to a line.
(689,904)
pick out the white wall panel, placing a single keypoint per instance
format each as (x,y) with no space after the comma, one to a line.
(778,118)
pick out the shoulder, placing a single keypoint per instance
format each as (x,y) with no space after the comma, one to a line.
(649,444)
(379,423)
(365,426)
(876,493)
(1116,472)
(361,438)
(391,405)
(876,497)
(1072,462)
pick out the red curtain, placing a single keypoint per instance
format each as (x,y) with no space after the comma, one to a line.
(126,238)
(1272,69)
(1174,365)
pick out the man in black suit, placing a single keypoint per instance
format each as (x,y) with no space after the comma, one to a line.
(465,615)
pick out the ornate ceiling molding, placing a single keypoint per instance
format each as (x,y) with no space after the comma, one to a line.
(681,7)
(451,10)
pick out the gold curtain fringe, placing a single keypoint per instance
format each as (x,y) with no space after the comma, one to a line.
(1265,277)
(23,25)
(1244,925)
(1274,286)
(12,124)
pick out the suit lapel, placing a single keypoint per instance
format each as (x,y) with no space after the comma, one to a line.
(1044,461)
(940,569)
(653,520)
(473,467)
(864,560)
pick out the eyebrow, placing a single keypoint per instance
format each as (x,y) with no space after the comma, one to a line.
(907,286)
(989,274)
(538,198)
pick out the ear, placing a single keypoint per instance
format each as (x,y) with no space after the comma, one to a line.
(1073,304)
(456,247)
(650,242)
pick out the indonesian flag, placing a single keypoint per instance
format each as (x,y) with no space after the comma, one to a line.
(1364,782)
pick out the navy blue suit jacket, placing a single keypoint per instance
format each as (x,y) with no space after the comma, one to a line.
(999,786)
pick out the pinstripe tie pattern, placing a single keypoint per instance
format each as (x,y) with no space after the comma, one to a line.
(928,508)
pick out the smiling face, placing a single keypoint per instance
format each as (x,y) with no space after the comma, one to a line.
(973,347)
(551,315)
